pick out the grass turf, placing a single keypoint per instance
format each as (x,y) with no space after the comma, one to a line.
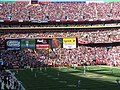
(96,78)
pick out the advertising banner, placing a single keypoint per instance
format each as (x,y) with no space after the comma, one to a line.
(42,46)
(28,43)
(57,43)
(69,43)
(42,43)
(13,44)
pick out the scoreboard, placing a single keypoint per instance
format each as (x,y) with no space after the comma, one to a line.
(34,1)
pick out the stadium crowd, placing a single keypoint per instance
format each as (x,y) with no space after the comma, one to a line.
(8,81)
(89,55)
(79,55)
(82,55)
(84,36)
(59,11)
(60,56)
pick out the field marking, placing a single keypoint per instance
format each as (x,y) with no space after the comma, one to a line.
(40,72)
(110,66)
(63,81)
(44,73)
(49,76)
(55,78)
(72,85)
(95,76)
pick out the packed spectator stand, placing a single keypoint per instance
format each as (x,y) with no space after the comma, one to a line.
(84,35)
(84,54)
(95,46)
(59,11)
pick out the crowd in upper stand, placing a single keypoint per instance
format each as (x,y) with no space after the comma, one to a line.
(87,36)
(59,11)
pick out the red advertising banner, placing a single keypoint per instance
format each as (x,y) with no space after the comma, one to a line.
(42,46)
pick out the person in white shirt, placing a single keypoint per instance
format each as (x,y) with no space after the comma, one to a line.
(78,83)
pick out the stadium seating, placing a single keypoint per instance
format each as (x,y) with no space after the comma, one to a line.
(89,50)
(61,56)
(88,36)
(60,11)
(107,55)
(83,55)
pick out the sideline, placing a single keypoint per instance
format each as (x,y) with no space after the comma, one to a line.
(21,86)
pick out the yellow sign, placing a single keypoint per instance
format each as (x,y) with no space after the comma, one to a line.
(69,40)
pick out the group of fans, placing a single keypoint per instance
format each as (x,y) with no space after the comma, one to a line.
(90,53)
(8,81)
(84,36)
(83,54)
(59,11)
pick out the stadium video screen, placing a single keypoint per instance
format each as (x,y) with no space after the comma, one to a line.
(28,43)
(13,44)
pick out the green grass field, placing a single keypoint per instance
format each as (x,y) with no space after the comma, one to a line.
(96,78)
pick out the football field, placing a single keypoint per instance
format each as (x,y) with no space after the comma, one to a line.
(65,78)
